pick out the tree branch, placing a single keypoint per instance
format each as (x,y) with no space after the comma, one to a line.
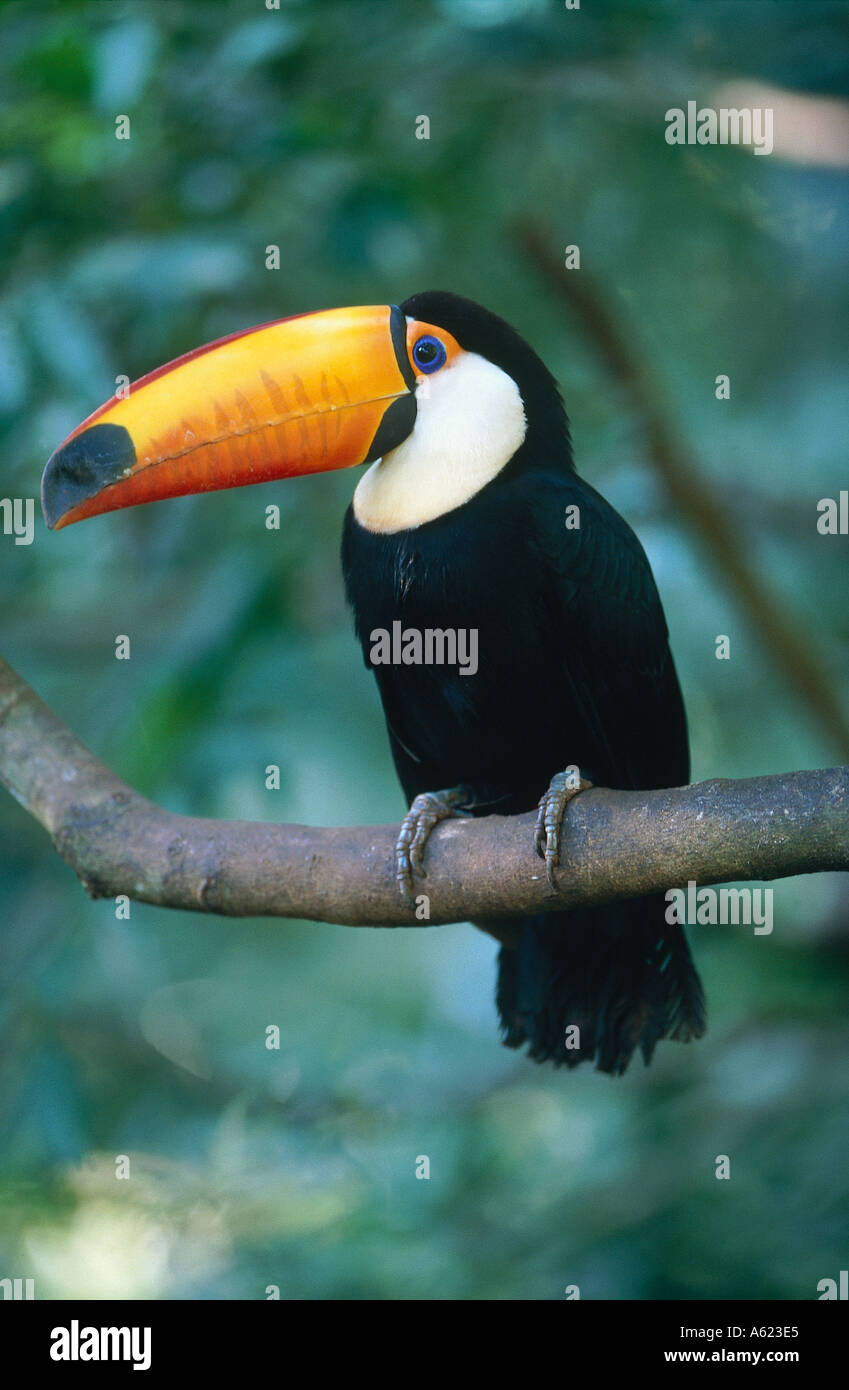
(615,844)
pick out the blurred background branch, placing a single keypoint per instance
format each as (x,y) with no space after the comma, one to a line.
(713,521)
(616,844)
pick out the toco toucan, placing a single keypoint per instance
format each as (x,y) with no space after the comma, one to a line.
(471,516)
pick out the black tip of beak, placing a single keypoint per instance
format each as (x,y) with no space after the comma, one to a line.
(83,467)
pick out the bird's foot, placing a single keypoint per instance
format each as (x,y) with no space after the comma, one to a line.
(563,786)
(427,810)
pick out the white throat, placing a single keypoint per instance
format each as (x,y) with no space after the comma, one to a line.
(470,421)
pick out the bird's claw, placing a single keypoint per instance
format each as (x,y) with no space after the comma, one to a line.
(552,805)
(427,810)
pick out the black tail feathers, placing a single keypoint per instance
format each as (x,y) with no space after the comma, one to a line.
(597,983)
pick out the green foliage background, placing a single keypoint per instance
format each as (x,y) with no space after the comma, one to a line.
(252,1167)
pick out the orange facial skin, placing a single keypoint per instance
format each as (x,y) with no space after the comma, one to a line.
(416,329)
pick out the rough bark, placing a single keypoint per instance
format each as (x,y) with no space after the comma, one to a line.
(615,844)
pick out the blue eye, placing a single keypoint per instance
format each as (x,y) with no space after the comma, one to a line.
(429,354)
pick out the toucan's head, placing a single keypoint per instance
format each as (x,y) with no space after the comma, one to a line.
(438,395)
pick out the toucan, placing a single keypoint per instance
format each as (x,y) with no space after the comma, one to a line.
(469,517)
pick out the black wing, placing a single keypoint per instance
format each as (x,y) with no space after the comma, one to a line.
(615,666)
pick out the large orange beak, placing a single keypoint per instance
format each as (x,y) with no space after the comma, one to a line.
(301,395)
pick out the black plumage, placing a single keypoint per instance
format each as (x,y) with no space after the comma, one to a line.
(574,668)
